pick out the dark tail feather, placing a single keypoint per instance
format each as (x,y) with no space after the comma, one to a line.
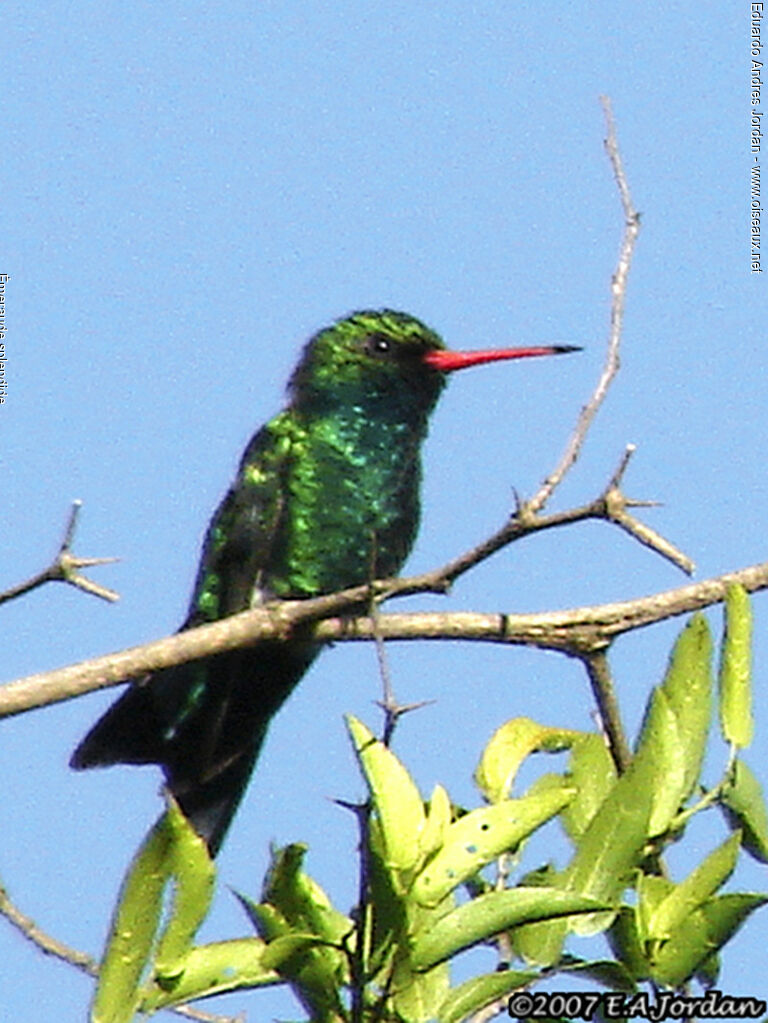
(204,723)
(126,734)
(210,805)
(129,733)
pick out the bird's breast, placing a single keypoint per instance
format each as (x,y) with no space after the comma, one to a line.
(351,507)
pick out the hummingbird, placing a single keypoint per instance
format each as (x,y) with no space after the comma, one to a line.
(326,497)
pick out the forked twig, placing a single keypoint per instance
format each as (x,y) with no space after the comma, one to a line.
(618,291)
(65,568)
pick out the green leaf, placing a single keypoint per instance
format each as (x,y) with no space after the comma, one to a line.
(688,687)
(280,953)
(744,805)
(466,999)
(735,669)
(314,971)
(388,905)
(414,995)
(267,921)
(212,970)
(173,851)
(396,799)
(194,876)
(437,823)
(540,943)
(480,836)
(696,889)
(708,971)
(133,929)
(417,996)
(661,742)
(614,841)
(705,931)
(676,724)
(508,748)
(651,892)
(300,899)
(606,972)
(626,944)
(592,771)
(490,914)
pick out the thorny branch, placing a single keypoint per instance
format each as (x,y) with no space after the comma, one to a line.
(65,568)
(599,674)
(566,631)
(585,633)
(618,292)
(576,632)
(569,634)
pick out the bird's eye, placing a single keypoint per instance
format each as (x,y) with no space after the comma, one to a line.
(378,344)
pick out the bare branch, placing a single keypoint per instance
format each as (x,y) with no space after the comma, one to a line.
(610,506)
(51,946)
(575,632)
(616,511)
(27,927)
(65,568)
(618,292)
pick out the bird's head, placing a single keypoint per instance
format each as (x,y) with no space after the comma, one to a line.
(370,353)
(386,355)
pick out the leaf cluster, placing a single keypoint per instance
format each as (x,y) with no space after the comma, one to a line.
(436,879)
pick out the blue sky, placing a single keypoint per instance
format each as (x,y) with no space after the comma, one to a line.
(188,192)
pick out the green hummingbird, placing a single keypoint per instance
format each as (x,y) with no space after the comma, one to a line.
(326,497)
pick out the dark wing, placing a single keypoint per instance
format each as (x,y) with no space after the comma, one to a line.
(239,543)
(155,717)
(204,722)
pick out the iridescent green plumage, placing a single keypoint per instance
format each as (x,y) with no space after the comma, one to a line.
(326,497)
(327,492)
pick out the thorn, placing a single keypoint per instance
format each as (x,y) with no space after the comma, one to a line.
(618,475)
(88,562)
(66,567)
(69,532)
(398,710)
(633,502)
(356,808)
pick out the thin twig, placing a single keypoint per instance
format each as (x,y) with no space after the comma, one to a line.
(610,506)
(388,702)
(490,1011)
(27,927)
(616,508)
(357,956)
(204,1017)
(65,568)
(393,710)
(599,672)
(51,946)
(618,291)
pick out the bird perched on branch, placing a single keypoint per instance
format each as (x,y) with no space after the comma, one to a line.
(326,497)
